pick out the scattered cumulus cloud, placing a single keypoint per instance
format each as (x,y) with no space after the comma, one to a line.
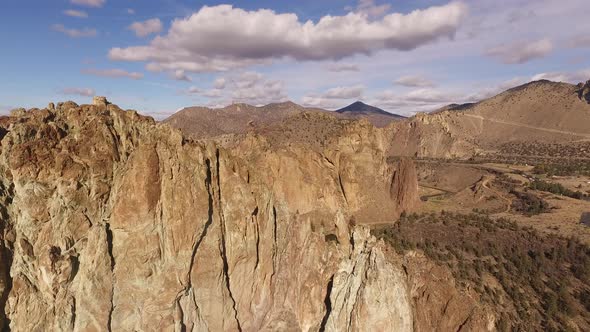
(420,97)
(420,100)
(255,89)
(219,83)
(220,38)
(369,8)
(75,13)
(333,98)
(344,92)
(212,93)
(75,33)
(117,73)
(146,28)
(492,90)
(414,81)
(89,3)
(246,87)
(342,67)
(193,90)
(521,52)
(85,92)
(319,102)
(180,75)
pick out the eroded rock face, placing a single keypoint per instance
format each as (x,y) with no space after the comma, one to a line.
(368,293)
(110,221)
(404,186)
(584,91)
(438,304)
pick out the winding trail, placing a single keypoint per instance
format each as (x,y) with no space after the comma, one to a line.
(485,184)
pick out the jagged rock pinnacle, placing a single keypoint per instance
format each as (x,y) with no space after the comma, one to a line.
(100,101)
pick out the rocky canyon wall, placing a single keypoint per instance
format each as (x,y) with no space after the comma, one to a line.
(111,221)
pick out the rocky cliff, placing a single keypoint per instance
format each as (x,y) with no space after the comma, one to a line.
(584,91)
(111,221)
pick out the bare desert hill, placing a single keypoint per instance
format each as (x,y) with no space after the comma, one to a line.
(539,111)
(535,107)
(202,122)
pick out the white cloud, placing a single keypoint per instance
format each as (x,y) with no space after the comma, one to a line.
(193,90)
(223,37)
(522,51)
(316,101)
(219,83)
(89,3)
(212,93)
(368,7)
(130,11)
(146,28)
(342,67)
(333,98)
(414,81)
(247,80)
(344,92)
(180,75)
(431,96)
(568,77)
(245,87)
(85,92)
(420,100)
(75,13)
(113,73)
(253,88)
(492,90)
(75,33)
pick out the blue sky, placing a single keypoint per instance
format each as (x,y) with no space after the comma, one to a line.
(404,56)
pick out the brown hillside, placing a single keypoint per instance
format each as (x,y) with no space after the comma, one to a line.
(540,111)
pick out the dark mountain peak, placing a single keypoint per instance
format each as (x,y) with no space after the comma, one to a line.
(358,107)
(359,103)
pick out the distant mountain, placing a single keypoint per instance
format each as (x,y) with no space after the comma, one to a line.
(202,122)
(375,115)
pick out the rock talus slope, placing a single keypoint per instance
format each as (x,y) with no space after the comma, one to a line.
(110,221)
